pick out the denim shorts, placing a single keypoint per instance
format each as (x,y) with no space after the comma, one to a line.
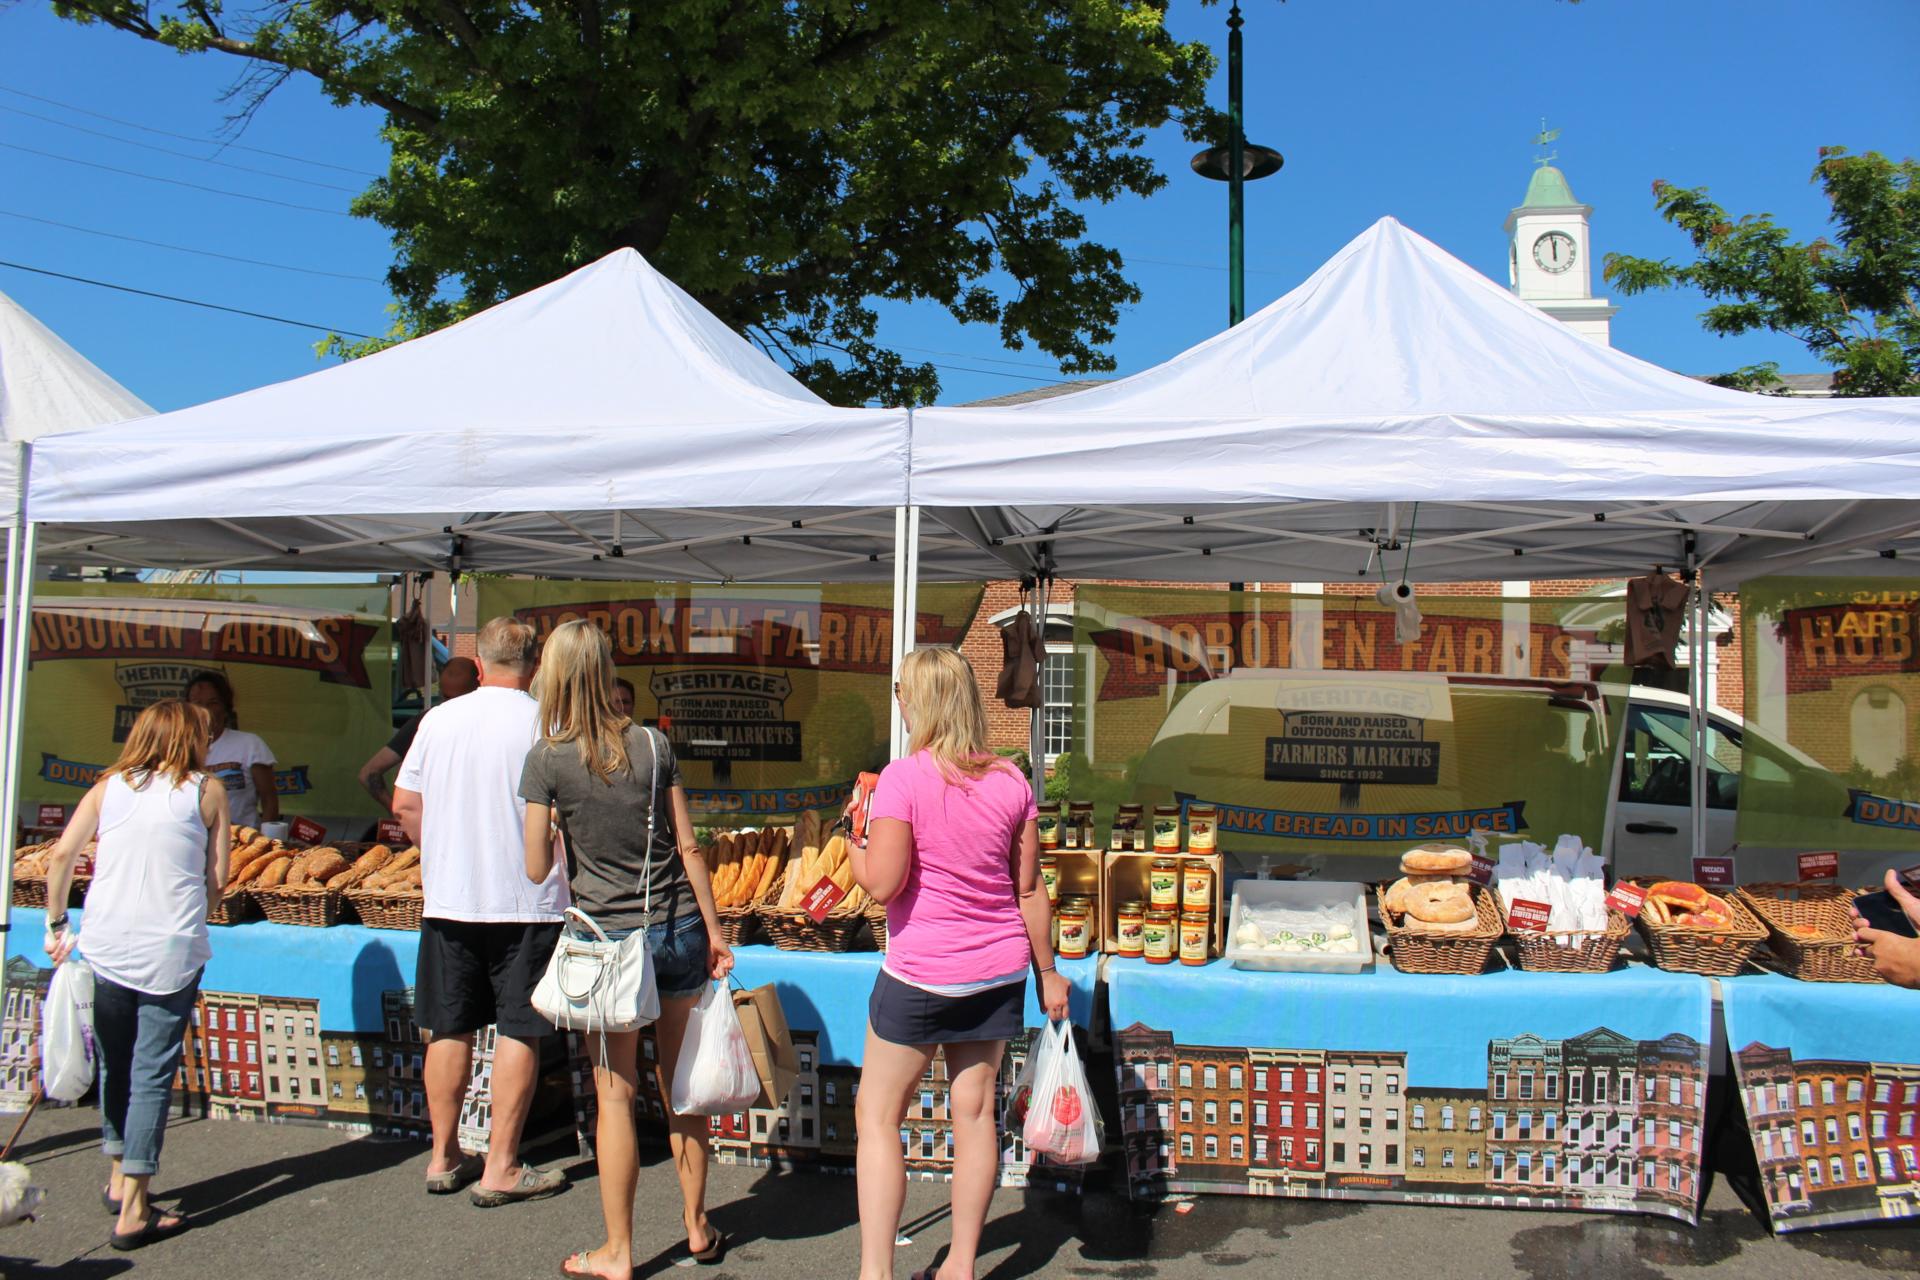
(680,955)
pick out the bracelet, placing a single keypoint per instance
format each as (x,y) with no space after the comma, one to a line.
(52,924)
(1044,972)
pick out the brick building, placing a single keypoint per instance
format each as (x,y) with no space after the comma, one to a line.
(1597,1161)
(26,989)
(1838,1154)
(290,1047)
(1446,1139)
(1672,1081)
(1288,1091)
(839,1132)
(1210,1120)
(1146,1068)
(1769,1088)
(1365,1119)
(1525,1075)
(1893,1116)
(348,1072)
(399,1089)
(791,1131)
(229,1026)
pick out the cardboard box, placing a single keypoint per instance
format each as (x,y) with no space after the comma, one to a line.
(1124,877)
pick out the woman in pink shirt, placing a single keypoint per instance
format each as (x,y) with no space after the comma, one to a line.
(953,851)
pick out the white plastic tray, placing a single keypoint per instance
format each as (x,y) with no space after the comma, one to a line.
(1305,894)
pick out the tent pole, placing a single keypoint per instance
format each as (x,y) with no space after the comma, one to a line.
(896,733)
(6,646)
(1696,711)
(15,703)
(1037,728)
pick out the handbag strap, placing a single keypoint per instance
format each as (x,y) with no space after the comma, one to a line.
(593,926)
(653,803)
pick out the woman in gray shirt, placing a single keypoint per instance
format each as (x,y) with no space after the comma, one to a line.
(600,777)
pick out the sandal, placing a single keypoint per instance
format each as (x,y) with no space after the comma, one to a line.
(584,1271)
(466,1172)
(534,1184)
(154,1230)
(715,1252)
(106,1198)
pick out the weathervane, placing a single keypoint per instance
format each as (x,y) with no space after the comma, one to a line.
(1541,139)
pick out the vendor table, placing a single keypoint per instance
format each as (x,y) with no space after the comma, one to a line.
(1528,1090)
(316,1025)
(1829,1076)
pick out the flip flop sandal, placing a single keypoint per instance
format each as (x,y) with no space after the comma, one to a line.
(534,1184)
(584,1271)
(106,1198)
(715,1252)
(465,1173)
(153,1231)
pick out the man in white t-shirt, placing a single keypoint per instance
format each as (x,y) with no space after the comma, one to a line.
(486,933)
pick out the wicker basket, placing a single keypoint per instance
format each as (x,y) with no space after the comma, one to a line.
(1712,955)
(1416,951)
(387,908)
(846,928)
(313,908)
(1541,952)
(231,908)
(30,891)
(1830,954)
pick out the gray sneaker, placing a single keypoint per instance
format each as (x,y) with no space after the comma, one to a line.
(534,1184)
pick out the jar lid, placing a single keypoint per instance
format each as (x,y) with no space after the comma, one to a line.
(1133,906)
(1162,864)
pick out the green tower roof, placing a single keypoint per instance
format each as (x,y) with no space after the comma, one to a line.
(1548,189)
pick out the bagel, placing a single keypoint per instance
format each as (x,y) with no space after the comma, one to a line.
(1436,859)
(1448,903)
(1398,890)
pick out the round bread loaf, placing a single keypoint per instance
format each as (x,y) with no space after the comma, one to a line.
(1435,926)
(324,864)
(1436,859)
(1447,903)
(1398,890)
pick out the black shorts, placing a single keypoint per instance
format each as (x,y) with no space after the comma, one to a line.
(472,974)
(902,1013)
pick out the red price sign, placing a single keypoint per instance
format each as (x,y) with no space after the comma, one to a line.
(1627,899)
(1481,870)
(52,815)
(392,833)
(1820,866)
(1529,916)
(1713,873)
(307,831)
(822,898)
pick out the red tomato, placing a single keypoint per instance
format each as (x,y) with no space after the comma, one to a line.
(1066,1106)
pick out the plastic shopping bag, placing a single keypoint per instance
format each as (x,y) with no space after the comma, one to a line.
(715,1075)
(1062,1121)
(66,1033)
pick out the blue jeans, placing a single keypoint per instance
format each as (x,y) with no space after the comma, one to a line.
(140,1038)
(680,955)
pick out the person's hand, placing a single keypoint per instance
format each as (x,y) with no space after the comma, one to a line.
(1895,958)
(1053,995)
(59,944)
(1908,903)
(719,956)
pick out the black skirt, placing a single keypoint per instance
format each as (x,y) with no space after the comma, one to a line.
(903,1014)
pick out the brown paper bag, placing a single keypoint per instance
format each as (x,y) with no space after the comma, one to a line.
(774,1057)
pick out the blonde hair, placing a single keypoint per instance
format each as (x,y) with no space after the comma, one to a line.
(169,739)
(575,689)
(941,699)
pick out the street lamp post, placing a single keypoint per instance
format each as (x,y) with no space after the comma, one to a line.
(1236,164)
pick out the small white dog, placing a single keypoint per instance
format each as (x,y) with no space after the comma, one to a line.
(20,1200)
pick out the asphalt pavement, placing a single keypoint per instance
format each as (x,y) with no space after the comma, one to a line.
(284,1201)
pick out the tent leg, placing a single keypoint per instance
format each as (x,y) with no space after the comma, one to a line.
(1697,716)
(6,646)
(16,698)
(896,731)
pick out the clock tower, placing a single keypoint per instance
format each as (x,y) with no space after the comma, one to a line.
(1550,258)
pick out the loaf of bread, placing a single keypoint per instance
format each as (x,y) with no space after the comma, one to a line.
(276,873)
(322,865)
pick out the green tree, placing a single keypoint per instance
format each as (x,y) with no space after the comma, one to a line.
(788,164)
(1854,299)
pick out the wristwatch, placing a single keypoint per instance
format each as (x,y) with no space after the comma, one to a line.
(55,925)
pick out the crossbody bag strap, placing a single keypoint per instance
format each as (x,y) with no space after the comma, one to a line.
(653,801)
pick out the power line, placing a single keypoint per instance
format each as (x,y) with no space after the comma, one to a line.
(968,355)
(170,151)
(184,137)
(180,248)
(176,182)
(191,302)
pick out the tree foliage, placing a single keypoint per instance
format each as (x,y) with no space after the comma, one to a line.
(786,163)
(1853,299)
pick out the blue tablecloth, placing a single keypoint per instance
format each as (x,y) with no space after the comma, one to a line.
(1837,1063)
(1384,1059)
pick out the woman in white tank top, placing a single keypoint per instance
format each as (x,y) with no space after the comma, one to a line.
(163,844)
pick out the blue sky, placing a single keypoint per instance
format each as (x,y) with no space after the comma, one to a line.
(1417,110)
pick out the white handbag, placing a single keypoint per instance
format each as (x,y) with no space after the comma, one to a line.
(592,982)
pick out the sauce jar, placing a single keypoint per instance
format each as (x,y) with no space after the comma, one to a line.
(1196,885)
(1166,828)
(1130,928)
(1080,819)
(1050,876)
(1157,936)
(1163,883)
(1073,920)
(1203,828)
(1049,826)
(1126,822)
(1196,937)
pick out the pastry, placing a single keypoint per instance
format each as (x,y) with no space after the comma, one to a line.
(1436,859)
(1448,903)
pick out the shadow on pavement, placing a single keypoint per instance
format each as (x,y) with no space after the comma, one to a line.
(240,1191)
(78,1269)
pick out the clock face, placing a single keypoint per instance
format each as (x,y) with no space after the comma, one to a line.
(1554,252)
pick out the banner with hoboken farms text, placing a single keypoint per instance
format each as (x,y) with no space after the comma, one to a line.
(1832,760)
(1313,729)
(310,668)
(775,697)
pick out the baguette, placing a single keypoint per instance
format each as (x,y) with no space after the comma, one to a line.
(276,873)
(767,873)
(249,871)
